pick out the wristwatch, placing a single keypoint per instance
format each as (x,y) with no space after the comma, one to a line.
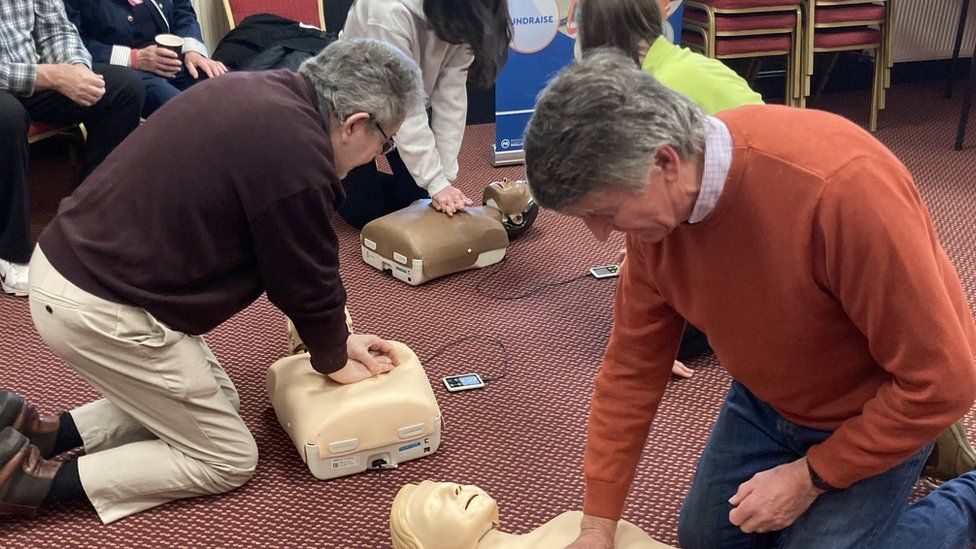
(817,481)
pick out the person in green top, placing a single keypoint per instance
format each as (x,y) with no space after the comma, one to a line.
(634,26)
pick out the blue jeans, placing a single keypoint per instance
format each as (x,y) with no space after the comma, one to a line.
(159,90)
(750,437)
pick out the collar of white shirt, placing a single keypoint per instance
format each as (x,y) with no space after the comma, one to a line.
(718,160)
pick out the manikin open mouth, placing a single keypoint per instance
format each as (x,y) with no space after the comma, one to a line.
(470,499)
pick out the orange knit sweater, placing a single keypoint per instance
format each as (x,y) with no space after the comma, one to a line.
(822,288)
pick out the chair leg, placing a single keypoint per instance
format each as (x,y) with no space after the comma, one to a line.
(963,14)
(875,93)
(831,63)
(752,72)
(967,102)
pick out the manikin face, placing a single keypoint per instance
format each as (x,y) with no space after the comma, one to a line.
(450,516)
(650,213)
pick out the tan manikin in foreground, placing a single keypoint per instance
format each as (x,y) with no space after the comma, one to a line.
(443,515)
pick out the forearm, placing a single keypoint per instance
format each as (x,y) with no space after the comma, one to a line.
(48,77)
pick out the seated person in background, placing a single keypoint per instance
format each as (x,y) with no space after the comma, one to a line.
(173,235)
(122,32)
(46,75)
(444,515)
(634,26)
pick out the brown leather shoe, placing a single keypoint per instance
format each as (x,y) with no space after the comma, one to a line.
(42,431)
(952,454)
(25,477)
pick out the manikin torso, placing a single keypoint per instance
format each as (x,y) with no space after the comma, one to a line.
(563,530)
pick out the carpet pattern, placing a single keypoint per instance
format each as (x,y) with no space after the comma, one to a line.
(521,438)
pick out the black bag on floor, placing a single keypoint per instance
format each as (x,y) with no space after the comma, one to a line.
(266,41)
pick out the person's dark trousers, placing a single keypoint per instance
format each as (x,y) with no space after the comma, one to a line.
(694,342)
(107,122)
(371,194)
(159,90)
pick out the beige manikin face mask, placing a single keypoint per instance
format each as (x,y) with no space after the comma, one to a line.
(444,515)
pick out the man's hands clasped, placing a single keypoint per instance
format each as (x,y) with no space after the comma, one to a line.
(369,356)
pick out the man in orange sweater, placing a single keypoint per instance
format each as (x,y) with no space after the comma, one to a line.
(801,246)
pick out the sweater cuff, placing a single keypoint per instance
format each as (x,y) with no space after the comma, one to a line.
(832,475)
(192,44)
(326,342)
(437,185)
(326,361)
(121,56)
(604,499)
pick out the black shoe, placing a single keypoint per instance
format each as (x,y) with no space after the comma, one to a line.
(42,431)
(25,477)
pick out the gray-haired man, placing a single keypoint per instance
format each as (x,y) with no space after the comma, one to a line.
(800,245)
(181,228)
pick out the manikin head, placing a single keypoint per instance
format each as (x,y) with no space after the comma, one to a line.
(513,200)
(366,88)
(611,145)
(441,515)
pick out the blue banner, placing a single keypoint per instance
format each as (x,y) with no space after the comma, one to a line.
(544,37)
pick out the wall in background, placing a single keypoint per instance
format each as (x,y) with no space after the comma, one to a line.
(926,29)
(213,21)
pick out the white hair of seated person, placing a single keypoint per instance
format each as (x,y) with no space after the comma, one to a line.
(443,515)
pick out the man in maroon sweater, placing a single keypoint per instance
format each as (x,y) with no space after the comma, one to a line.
(179,229)
(800,245)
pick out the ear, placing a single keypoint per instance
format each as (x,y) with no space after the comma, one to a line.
(668,162)
(353,124)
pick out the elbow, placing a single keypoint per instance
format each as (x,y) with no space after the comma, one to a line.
(959,391)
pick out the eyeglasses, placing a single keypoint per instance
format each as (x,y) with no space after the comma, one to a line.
(389,144)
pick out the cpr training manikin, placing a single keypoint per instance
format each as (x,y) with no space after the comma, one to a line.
(418,243)
(443,515)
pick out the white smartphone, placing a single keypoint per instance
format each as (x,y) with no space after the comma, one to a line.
(607,271)
(463,382)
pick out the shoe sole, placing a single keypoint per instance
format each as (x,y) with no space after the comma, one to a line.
(11,405)
(12,444)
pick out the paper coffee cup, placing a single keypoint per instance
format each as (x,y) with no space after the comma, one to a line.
(171,42)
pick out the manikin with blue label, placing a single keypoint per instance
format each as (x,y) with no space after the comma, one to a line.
(417,244)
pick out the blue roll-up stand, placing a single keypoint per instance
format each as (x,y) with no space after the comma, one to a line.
(543,41)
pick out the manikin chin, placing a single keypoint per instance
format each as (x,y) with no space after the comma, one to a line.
(442,515)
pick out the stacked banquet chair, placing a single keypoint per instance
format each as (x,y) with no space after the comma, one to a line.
(730,29)
(308,12)
(850,25)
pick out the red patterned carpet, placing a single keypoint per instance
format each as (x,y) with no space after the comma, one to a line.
(521,438)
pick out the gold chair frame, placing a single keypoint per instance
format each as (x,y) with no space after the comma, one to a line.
(881,80)
(710,35)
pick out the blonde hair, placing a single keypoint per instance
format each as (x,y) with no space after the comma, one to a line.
(401,535)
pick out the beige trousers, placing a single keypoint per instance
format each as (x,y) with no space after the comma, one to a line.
(168,427)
